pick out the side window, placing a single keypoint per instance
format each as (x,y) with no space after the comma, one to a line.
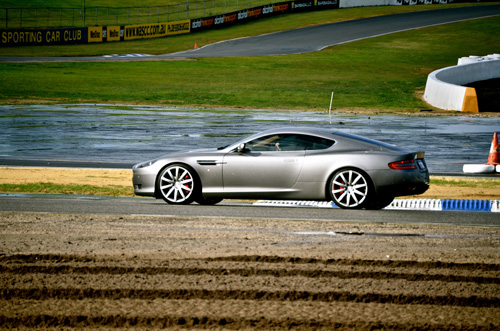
(264,144)
(277,143)
(318,143)
(288,142)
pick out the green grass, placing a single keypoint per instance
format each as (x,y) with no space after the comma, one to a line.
(127,191)
(384,73)
(52,188)
(480,183)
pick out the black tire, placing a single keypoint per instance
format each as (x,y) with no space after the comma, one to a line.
(208,201)
(178,184)
(379,202)
(350,188)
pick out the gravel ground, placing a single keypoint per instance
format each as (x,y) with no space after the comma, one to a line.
(124,272)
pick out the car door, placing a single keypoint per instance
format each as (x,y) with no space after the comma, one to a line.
(266,164)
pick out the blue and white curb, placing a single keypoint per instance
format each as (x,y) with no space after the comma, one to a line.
(127,55)
(402,204)
(446,205)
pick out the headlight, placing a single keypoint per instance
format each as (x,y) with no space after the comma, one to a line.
(144,164)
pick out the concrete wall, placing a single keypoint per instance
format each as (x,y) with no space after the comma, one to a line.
(444,88)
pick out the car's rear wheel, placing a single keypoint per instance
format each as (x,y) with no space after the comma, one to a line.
(350,188)
(178,184)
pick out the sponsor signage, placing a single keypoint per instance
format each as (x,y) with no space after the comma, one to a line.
(31,37)
(179,27)
(141,31)
(95,34)
(303,5)
(281,7)
(327,4)
(254,13)
(242,16)
(113,33)
(230,18)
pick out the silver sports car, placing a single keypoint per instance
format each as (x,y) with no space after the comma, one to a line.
(289,163)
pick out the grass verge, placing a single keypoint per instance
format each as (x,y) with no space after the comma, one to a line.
(441,188)
(53,188)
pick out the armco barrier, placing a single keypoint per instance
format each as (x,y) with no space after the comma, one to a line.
(240,16)
(445,90)
(367,3)
(402,204)
(370,3)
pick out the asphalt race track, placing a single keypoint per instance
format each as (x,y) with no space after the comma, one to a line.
(65,204)
(316,38)
(307,39)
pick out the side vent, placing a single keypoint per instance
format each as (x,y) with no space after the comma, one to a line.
(207,162)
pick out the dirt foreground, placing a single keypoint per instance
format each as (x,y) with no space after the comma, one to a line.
(62,271)
(97,271)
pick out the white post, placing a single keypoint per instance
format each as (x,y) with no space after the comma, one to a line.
(330,110)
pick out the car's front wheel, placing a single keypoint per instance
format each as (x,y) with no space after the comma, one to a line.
(178,184)
(350,188)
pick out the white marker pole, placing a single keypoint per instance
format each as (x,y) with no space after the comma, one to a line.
(330,110)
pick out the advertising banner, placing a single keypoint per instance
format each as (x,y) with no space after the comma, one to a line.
(302,5)
(327,4)
(112,33)
(95,34)
(179,27)
(141,31)
(32,37)
(243,16)
(254,13)
(156,30)
(282,7)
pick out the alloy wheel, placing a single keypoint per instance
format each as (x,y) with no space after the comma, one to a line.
(349,189)
(177,185)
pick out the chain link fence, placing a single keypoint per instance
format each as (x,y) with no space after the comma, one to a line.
(51,17)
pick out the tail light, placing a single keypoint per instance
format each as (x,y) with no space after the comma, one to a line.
(403,165)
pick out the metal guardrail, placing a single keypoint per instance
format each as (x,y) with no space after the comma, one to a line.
(52,17)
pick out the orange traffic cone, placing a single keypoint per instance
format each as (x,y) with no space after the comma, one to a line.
(195,46)
(494,157)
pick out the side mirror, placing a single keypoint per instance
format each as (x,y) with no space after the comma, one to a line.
(242,148)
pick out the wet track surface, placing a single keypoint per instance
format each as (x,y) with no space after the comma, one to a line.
(124,135)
